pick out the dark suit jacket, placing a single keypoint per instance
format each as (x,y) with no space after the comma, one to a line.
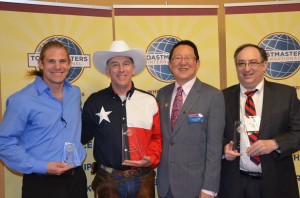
(191,157)
(280,120)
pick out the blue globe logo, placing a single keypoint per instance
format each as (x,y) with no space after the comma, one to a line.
(74,49)
(283,55)
(158,57)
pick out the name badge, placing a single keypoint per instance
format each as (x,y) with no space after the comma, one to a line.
(252,123)
(195,118)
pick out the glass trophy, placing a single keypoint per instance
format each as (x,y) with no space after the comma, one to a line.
(131,144)
(70,154)
(239,128)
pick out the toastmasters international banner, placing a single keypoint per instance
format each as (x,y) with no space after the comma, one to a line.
(273,26)
(25,28)
(157,28)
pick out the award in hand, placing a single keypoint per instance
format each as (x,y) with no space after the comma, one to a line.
(70,155)
(239,129)
(131,145)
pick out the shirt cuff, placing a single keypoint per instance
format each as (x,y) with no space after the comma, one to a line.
(40,167)
(209,192)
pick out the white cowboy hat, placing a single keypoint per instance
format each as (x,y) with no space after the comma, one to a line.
(120,48)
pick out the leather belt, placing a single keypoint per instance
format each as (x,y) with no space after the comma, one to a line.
(71,171)
(253,175)
(126,173)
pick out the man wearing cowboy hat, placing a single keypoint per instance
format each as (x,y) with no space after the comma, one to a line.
(124,122)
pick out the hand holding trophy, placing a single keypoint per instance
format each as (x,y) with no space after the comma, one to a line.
(239,129)
(133,153)
(70,155)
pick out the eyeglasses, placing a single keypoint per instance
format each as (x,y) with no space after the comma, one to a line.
(251,64)
(178,59)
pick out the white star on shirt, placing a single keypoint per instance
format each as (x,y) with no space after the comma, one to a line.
(103,115)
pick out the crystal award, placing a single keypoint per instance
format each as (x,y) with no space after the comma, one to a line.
(70,154)
(131,144)
(239,128)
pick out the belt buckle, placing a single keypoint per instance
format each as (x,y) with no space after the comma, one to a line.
(69,172)
(130,173)
(251,174)
(107,169)
(254,175)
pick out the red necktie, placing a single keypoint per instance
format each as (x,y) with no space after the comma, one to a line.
(250,111)
(177,104)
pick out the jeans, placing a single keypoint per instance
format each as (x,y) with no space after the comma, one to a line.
(106,185)
(128,188)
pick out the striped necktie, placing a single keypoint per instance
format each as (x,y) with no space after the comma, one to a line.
(250,111)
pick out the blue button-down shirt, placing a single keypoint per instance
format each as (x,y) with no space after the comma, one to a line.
(36,126)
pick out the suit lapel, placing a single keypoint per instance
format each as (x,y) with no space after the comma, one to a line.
(234,101)
(269,101)
(188,104)
(167,107)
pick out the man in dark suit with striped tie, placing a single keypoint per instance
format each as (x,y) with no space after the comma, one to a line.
(259,163)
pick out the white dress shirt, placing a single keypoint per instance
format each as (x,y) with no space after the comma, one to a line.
(245,163)
(186,89)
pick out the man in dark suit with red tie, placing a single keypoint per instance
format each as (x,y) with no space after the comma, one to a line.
(259,163)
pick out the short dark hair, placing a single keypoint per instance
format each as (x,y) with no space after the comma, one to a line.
(262,52)
(185,42)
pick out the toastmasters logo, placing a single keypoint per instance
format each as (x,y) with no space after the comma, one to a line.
(158,57)
(79,59)
(283,51)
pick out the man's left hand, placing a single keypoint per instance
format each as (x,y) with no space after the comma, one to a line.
(261,147)
(205,195)
(145,162)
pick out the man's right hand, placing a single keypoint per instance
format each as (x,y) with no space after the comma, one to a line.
(229,153)
(57,168)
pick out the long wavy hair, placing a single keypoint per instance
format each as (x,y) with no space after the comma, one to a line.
(50,44)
